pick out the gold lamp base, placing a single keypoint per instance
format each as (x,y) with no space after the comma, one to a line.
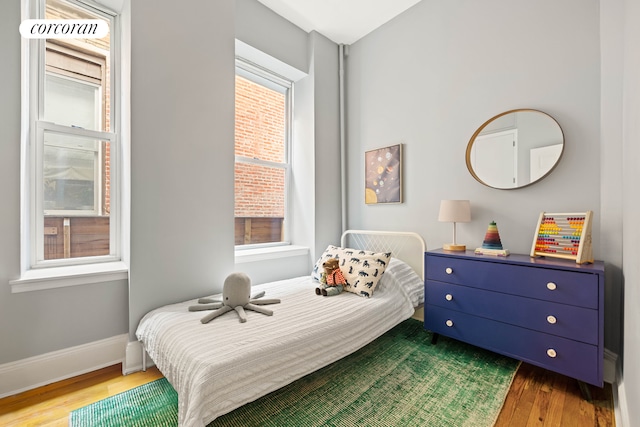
(454,247)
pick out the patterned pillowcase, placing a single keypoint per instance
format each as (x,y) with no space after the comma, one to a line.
(362,269)
(330,252)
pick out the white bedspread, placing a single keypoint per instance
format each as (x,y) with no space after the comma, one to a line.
(222,365)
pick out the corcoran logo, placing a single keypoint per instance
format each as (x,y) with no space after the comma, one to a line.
(64,28)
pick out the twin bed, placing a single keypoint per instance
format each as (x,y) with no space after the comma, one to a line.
(219,366)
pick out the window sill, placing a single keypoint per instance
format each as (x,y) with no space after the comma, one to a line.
(274,252)
(60,277)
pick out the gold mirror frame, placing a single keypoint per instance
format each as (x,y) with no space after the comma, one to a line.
(554,127)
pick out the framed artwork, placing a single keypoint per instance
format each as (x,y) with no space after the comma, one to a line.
(383,175)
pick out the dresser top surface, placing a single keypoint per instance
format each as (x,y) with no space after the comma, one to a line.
(520,259)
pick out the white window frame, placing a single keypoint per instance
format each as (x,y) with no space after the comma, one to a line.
(97,173)
(274,81)
(37,191)
(37,273)
(98,118)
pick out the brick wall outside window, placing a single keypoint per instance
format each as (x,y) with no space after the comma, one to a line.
(259,133)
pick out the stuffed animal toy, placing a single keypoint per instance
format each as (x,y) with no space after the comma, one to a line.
(332,281)
(236,295)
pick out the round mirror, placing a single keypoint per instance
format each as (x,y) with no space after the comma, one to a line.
(515,149)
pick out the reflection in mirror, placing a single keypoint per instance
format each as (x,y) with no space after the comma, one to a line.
(515,149)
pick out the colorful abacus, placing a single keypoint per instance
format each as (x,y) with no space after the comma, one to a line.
(564,235)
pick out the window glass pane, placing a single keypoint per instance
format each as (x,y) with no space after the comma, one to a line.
(71,173)
(261,154)
(76,185)
(72,102)
(259,190)
(259,203)
(72,63)
(68,179)
(260,121)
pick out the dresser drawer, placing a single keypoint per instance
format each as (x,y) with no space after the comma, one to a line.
(575,359)
(566,287)
(576,323)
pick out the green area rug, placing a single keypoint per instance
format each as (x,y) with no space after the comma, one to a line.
(400,379)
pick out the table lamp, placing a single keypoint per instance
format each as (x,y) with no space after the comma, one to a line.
(454,211)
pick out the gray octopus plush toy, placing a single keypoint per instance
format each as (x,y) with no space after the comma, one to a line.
(236,295)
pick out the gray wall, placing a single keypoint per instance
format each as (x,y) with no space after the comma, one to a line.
(327,193)
(182,115)
(260,27)
(631,204)
(431,77)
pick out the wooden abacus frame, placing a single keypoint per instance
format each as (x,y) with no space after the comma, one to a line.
(564,235)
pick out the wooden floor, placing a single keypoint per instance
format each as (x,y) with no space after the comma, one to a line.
(536,398)
(539,397)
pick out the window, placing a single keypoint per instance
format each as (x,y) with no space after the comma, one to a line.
(262,129)
(72,160)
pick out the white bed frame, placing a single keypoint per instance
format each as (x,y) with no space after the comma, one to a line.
(404,245)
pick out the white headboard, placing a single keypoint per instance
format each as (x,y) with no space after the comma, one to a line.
(406,246)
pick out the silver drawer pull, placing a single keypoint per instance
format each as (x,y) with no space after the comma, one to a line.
(449,323)
(448,297)
(448,270)
(551,286)
(552,319)
(551,353)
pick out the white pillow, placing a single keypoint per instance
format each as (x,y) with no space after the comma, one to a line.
(400,275)
(362,269)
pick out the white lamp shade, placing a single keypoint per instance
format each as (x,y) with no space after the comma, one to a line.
(455,211)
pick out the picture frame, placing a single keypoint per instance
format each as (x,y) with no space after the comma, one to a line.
(383,175)
(564,235)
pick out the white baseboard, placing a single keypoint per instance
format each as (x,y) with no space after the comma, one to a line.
(133,358)
(26,374)
(620,404)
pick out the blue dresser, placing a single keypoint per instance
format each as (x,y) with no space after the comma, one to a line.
(544,311)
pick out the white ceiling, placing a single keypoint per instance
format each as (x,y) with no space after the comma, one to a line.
(342,21)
